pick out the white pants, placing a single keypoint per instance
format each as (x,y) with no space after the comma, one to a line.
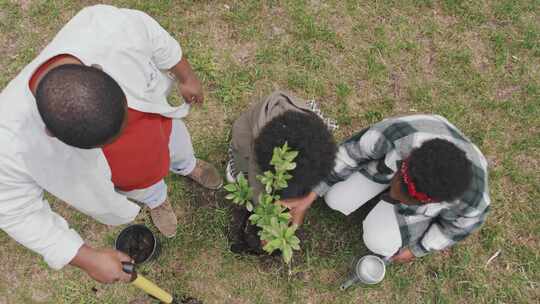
(182,162)
(381,229)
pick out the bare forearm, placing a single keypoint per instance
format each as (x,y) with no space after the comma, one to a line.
(103,265)
(183,71)
(299,207)
(83,258)
(189,84)
(311,197)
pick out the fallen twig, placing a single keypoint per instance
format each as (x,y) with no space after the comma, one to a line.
(493,257)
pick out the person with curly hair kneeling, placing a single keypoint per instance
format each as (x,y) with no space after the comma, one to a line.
(433,179)
(269,123)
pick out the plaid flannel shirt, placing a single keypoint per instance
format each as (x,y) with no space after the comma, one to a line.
(377,153)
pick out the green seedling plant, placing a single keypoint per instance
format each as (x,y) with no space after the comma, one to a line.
(240,192)
(272,218)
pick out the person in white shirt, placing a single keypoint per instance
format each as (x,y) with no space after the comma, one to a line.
(120,60)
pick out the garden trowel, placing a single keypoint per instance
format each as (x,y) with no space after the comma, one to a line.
(152,289)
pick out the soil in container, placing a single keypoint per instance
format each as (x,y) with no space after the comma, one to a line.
(138,242)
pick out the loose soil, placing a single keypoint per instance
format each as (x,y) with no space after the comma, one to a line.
(137,243)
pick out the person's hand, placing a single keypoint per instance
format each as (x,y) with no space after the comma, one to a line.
(298,207)
(188,82)
(192,90)
(102,265)
(108,266)
(405,255)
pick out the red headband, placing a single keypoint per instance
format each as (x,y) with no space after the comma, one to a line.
(411,187)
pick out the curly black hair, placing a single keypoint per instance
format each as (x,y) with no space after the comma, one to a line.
(82,106)
(306,133)
(440,169)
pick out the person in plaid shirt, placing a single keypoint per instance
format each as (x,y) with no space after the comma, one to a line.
(437,181)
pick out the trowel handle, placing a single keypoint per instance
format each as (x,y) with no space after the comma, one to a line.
(129,268)
(146,285)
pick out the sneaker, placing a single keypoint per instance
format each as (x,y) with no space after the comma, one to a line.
(164,219)
(229,175)
(206,175)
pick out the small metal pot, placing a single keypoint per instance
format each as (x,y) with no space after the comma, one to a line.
(369,269)
(138,242)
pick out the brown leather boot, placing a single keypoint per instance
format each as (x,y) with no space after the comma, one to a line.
(164,219)
(206,175)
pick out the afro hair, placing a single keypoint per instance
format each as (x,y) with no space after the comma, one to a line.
(305,133)
(440,169)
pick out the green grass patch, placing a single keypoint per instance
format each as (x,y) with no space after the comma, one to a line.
(476,63)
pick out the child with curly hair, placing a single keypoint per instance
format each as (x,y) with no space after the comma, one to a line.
(276,119)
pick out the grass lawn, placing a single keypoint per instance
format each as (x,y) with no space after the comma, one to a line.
(475,62)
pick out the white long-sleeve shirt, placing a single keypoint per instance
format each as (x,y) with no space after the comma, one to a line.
(134,50)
